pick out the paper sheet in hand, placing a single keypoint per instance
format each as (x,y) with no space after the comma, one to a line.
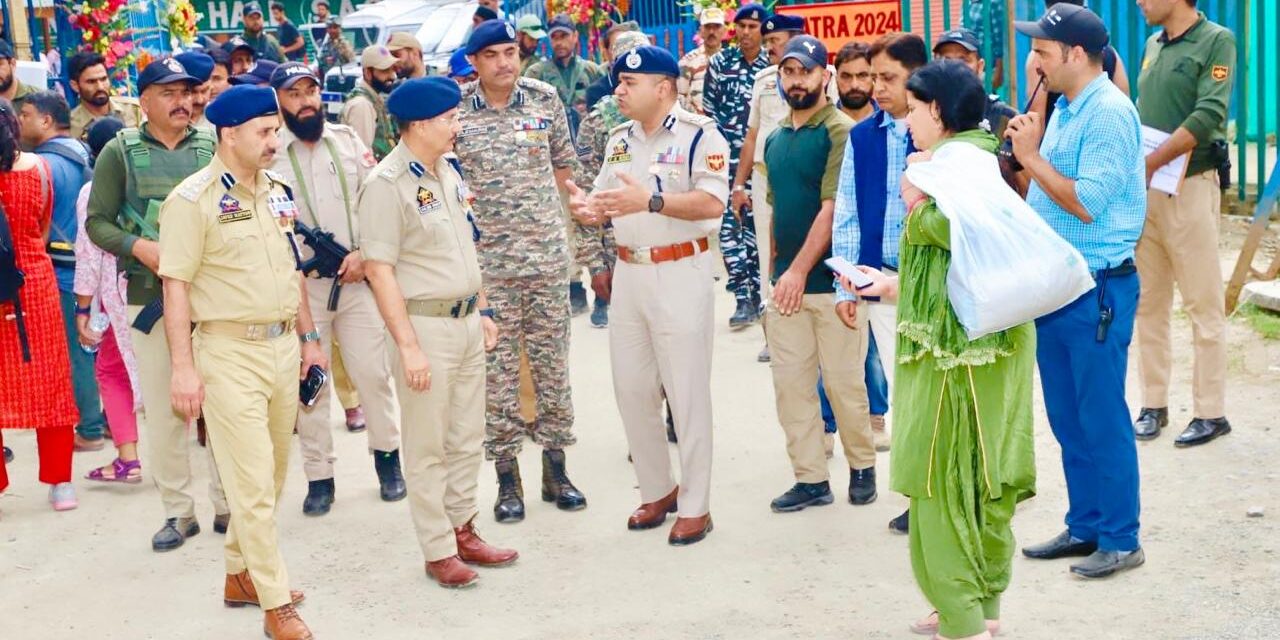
(1169,177)
(845,268)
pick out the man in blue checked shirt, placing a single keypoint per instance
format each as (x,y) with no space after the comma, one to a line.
(1089,183)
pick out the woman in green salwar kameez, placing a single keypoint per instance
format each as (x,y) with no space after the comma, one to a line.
(962,439)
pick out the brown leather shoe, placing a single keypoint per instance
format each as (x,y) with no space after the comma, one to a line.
(652,514)
(283,623)
(239,591)
(450,573)
(474,550)
(687,531)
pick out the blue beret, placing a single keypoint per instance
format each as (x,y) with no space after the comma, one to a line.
(458,65)
(489,33)
(647,59)
(423,98)
(199,65)
(782,22)
(753,11)
(240,104)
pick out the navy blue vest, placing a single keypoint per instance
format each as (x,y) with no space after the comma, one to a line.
(871,168)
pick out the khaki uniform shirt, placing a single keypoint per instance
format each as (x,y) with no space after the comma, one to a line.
(667,161)
(319,191)
(769,107)
(420,222)
(127,109)
(228,240)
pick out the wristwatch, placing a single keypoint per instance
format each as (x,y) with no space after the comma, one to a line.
(656,203)
(487,312)
(740,187)
(310,336)
(83,311)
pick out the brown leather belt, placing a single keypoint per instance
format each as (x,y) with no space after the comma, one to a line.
(442,308)
(668,253)
(246,330)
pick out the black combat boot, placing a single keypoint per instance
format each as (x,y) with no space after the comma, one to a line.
(556,486)
(510,504)
(319,497)
(390,480)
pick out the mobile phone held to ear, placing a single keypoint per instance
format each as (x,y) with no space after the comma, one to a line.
(847,269)
(311,386)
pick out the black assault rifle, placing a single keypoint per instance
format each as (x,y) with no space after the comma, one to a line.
(327,258)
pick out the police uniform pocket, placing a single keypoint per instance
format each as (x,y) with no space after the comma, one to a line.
(240,238)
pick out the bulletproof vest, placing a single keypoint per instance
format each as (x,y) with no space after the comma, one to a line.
(151,172)
(385,134)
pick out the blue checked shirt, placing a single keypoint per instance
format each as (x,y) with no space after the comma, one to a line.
(846,237)
(1096,140)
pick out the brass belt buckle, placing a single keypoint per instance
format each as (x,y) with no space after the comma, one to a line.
(253,332)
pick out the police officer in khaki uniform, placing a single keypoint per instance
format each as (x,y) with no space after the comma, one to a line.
(228,260)
(87,72)
(664,186)
(325,164)
(418,236)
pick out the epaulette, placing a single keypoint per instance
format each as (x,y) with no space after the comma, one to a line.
(129,100)
(393,169)
(694,119)
(191,188)
(619,129)
(274,177)
(537,86)
(767,71)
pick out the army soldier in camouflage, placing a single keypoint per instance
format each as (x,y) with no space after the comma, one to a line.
(693,66)
(335,51)
(529,33)
(366,109)
(726,99)
(515,149)
(265,45)
(87,72)
(567,72)
(963,45)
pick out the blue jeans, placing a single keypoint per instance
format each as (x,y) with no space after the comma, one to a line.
(877,383)
(1084,385)
(83,381)
(828,416)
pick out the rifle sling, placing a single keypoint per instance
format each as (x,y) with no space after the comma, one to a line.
(306,194)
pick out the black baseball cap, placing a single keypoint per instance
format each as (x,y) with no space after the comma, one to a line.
(164,71)
(251,8)
(1070,24)
(289,73)
(963,37)
(807,50)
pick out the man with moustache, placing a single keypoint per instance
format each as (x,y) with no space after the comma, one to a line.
(693,66)
(963,45)
(87,72)
(265,45)
(201,67)
(242,55)
(325,164)
(727,99)
(568,72)
(11,88)
(408,52)
(335,50)
(132,176)
(854,81)
(365,110)
(529,32)
(235,313)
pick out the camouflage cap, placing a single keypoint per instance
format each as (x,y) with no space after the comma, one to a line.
(626,41)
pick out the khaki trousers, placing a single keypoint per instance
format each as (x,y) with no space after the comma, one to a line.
(443,430)
(250,408)
(168,435)
(348,397)
(661,330)
(358,330)
(1179,245)
(800,343)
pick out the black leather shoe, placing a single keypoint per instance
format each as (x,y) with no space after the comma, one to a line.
(556,486)
(319,498)
(577,298)
(1061,546)
(1202,431)
(174,532)
(803,495)
(390,479)
(745,315)
(220,522)
(1104,563)
(902,523)
(1150,422)
(8,455)
(862,486)
(509,506)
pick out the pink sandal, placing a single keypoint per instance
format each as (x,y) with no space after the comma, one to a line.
(121,470)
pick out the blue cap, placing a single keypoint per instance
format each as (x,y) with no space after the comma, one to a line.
(485,13)
(753,11)
(423,98)
(1070,24)
(257,73)
(782,22)
(240,104)
(164,71)
(647,59)
(458,64)
(199,65)
(807,50)
(963,37)
(489,33)
(561,22)
(251,8)
(289,73)
(236,42)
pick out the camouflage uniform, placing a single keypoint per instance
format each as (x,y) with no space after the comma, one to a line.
(726,98)
(508,156)
(570,84)
(527,63)
(595,246)
(693,72)
(334,53)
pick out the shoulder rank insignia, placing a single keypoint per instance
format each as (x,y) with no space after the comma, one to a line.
(393,169)
(195,185)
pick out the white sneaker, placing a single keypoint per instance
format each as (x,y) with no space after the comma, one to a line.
(63,497)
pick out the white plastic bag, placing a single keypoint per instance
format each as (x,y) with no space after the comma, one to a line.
(1008,267)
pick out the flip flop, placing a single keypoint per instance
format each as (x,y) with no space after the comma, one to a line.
(121,472)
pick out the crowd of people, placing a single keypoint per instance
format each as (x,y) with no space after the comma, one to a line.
(196,262)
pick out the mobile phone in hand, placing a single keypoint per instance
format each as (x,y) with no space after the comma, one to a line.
(311,386)
(847,269)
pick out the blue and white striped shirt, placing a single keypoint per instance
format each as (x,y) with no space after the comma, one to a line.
(1096,140)
(846,235)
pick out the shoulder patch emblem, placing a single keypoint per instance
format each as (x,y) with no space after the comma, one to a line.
(715,161)
(228,204)
(1220,72)
(620,153)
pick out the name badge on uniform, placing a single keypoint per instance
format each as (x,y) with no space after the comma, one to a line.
(472,130)
(231,211)
(427,201)
(620,153)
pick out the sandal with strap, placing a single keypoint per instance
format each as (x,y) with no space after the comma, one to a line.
(129,472)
